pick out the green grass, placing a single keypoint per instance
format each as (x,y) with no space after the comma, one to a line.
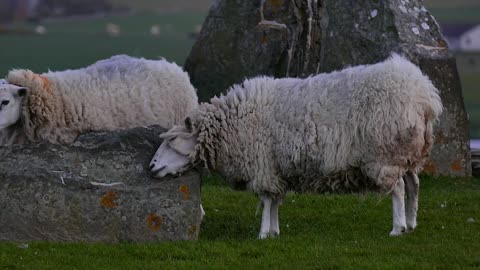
(75,44)
(317,232)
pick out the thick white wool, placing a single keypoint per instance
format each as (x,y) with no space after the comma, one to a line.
(270,135)
(116,93)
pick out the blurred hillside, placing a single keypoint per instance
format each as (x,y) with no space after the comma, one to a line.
(163,5)
(444,10)
(203,5)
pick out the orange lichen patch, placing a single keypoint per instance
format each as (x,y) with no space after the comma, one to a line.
(429,167)
(457,165)
(154,222)
(108,200)
(265,39)
(276,4)
(439,137)
(185,191)
(77,161)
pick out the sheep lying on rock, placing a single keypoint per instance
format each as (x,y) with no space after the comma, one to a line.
(116,93)
(320,133)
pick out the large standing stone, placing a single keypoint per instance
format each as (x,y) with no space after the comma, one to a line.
(53,192)
(298,38)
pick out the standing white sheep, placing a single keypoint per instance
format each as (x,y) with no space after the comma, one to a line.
(116,93)
(273,135)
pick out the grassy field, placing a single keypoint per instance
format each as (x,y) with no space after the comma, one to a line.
(317,232)
(73,44)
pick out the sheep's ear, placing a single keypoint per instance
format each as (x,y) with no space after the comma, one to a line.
(188,124)
(21,92)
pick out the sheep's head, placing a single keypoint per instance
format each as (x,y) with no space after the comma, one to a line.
(11,98)
(176,154)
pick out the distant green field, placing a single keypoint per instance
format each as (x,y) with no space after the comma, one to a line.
(458,14)
(74,44)
(202,5)
(164,5)
(471,92)
(451,4)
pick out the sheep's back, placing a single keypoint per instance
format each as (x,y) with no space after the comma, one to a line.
(124,92)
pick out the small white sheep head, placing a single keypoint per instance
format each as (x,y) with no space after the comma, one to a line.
(11,98)
(175,154)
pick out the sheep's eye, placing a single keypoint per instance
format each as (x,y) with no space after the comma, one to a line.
(5,102)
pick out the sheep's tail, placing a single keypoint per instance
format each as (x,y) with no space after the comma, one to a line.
(432,108)
(432,112)
(428,138)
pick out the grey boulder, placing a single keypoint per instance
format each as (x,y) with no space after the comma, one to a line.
(298,38)
(97,189)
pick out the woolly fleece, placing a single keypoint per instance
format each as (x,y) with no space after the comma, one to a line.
(321,133)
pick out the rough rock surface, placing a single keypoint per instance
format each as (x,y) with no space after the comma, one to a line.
(298,38)
(46,192)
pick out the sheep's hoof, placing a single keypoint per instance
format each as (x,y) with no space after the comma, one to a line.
(397,231)
(262,236)
(274,233)
(411,226)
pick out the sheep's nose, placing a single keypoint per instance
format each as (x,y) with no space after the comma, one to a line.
(151,166)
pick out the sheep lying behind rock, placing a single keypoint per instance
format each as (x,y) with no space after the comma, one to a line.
(273,135)
(11,99)
(116,93)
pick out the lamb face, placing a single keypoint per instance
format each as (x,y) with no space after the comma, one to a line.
(11,97)
(174,154)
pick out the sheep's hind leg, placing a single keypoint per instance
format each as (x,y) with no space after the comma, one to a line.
(265,226)
(390,178)
(274,224)
(398,208)
(412,186)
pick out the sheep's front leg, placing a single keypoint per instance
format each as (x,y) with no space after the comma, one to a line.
(265,226)
(274,224)
(412,186)
(398,205)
